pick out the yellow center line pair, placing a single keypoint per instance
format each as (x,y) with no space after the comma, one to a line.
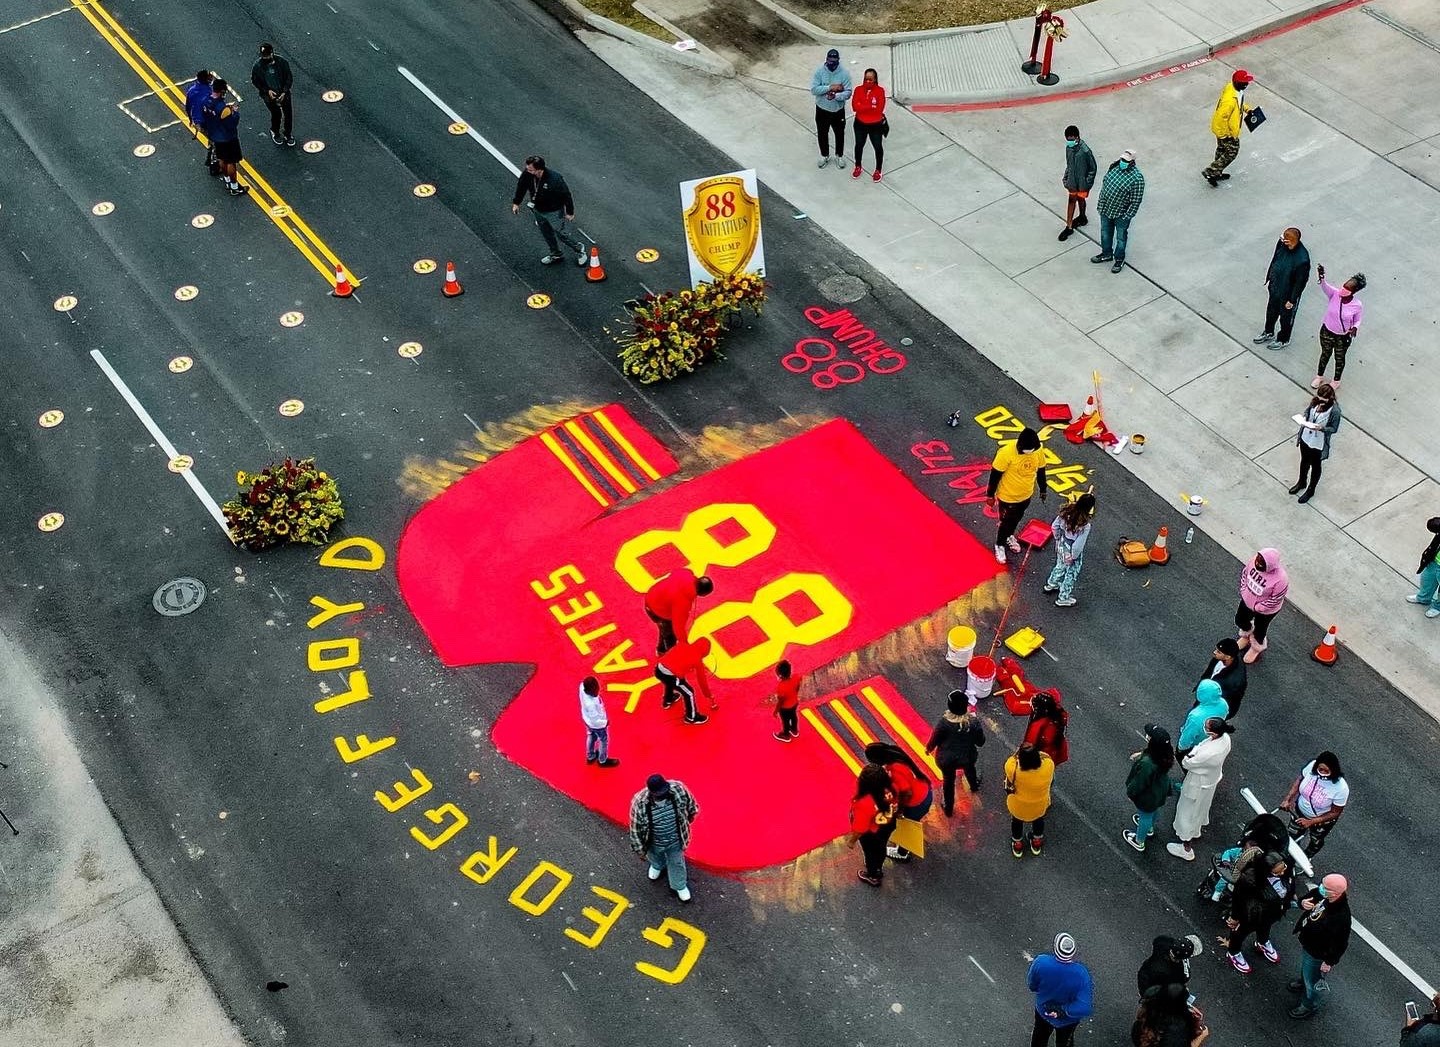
(315,250)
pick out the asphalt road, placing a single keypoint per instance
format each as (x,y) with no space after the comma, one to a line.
(306,880)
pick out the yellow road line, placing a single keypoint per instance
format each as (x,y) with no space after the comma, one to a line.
(830,740)
(851,721)
(314,250)
(601,458)
(625,445)
(898,726)
(569,463)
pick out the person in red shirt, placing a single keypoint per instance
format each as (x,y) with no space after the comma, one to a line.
(872,820)
(787,702)
(869,104)
(670,602)
(907,781)
(1046,729)
(673,670)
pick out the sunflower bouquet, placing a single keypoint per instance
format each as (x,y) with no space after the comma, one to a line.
(290,501)
(673,333)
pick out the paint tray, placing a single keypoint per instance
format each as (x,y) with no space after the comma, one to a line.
(1035,533)
(1053,413)
(1025,642)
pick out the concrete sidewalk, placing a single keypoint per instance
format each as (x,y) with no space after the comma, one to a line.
(1109,42)
(966,223)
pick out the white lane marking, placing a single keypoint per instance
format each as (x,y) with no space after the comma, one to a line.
(570,980)
(457,118)
(982,970)
(165,445)
(1405,970)
(471,421)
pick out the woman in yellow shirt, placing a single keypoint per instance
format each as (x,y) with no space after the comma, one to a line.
(1028,775)
(1014,473)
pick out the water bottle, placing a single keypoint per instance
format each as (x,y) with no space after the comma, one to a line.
(1189,535)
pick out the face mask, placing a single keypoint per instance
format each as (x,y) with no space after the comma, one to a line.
(831,65)
(1124,164)
(1323,893)
(1071,143)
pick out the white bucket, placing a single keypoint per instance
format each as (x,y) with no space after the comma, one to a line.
(959,646)
(979,677)
(1194,505)
(1137,443)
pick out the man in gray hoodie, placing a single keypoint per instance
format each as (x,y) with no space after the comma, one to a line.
(1078,179)
(832,88)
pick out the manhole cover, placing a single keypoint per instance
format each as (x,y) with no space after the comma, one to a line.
(844,288)
(179,596)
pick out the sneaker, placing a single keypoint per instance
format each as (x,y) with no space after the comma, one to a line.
(1297,488)
(1303,1012)
(1305,497)
(1119,264)
(277,138)
(876,176)
(1136,819)
(1223,176)
(1335,385)
(1252,654)
(654,873)
(1434,612)
(1066,601)
(665,703)
(1013,543)
(1238,961)
(583,260)
(1050,589)
(1133,840)
(781,736)
(1082,220)
(1269,951)
(896,854)
(1263,338)
(1102,257)
(1315,382)
(999,554)
(1037,845)
(1017,848)
(609,761)
(1277,344)
(1205,174)
(290,140)
(1179,850)
(591,758)
(236,189)
(1296,985)
(697,718)
(873,881)
(824,162)
(855,173)
(1065,234)
(1242,641)
(683,894)
(551,259)
(1415,598)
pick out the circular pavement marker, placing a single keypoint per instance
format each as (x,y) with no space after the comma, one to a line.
(51,521)
(180,463)
(410,350)
(186,293)
(103,208)
(144,149)
(459,127)
(538,301)
(181,364)
(203,221)
(332,96)
(292,319)
(647,255)
(290,408)
(279,211)
(65,303)
(179,596)
(51,418)
(424,189)
(424,265)
(314,146)
(844,288)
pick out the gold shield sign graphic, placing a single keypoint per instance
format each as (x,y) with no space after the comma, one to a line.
(723,225)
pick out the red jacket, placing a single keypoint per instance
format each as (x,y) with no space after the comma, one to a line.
(1049,736)
(869,103)
(910,790)
(787,693)
(863,815)
(672,598)
(686,656)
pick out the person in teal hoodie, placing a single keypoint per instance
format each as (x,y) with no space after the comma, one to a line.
(1064,993)
(1209,701)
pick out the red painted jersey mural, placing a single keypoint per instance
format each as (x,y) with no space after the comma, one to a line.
(816,547)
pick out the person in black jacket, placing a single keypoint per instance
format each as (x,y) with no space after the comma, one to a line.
(955,744)
(1287,276)
(1167,966)
(553,207)
(1429,572)
(1228,671)
(1262,892)
(271,76)
(1324,933)
(1424,1031)
(1166,1020)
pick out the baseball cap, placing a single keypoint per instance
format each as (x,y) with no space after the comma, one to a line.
(1128,154)
(1243,75)
(832,53)
(657,784)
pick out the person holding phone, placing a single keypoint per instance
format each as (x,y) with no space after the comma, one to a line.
(272,78)
(1318,423)
(1421,1030)
(1340,326)
(1324,933)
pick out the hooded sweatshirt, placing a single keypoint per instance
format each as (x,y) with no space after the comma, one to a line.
(1063,987)
(1264,591)
(592,709)
(1209,701)
(821,83)
(1161,969)
(956,739)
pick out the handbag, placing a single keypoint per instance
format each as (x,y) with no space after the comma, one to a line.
(1254,118)
(1130,553)
(885,133)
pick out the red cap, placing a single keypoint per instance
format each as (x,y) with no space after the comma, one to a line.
(1243,75)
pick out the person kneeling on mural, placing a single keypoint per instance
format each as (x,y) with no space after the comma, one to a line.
(670,602)
(597,724)
(673,670)
(1014,474)
(787,702)
(909,784)
(872,819)
(660,818)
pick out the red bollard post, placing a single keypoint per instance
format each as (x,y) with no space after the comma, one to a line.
(1031,67)
(1046,77)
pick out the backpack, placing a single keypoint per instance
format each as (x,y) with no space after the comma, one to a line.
(1130,553)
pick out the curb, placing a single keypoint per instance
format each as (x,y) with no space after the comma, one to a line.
(824,36)
(702,58)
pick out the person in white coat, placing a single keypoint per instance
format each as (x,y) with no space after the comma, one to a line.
(1202,767)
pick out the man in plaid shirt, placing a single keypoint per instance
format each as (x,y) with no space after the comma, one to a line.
(1120,196)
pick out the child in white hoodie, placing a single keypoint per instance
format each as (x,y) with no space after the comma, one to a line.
(597,724)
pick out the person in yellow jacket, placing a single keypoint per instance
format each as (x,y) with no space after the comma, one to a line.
(1028,775)
(1225,125)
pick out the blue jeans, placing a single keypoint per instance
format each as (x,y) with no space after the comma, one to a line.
(1430,584)
(672,860)
(1146,828)
(1114,232)
(597,743)
(1310,975)
(1064,575)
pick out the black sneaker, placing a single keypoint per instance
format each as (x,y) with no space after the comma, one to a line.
(1222,176)
(591,758)
(1082,220)
(781,736)
(873,881)
(1117,266)
(290,140)
(1065,234)
(1097,259)
(609,761)
(1210,178)
(277,138)
(239,190)
(697,718)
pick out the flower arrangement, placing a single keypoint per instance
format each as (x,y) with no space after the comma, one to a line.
(1055,28)
(675,332)
(292,501)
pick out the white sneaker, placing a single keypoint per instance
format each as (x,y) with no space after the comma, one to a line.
(1415,598)
(999,554)
(1434,612)
(824,162)
(551,259)
(1068,601)
(1315,382)
(655,873)
(1013,543)
(1269,952)
(683,894)
(1180,851)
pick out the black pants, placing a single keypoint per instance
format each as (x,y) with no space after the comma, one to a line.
(677,687)
(666,639)
(1275,311)
(1037,829)
(1011,514)
(1246,620)
(825,121)
(277,110)
(1261,931)
(872,845)
(871,132)
(1309,466)
(947,779)
(789,720)
(1040,1035)
(1317,834)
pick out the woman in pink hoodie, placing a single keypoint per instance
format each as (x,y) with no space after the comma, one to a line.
(1263,585)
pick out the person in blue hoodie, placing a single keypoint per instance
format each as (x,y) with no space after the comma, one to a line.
(1209,701)
(223,116)
(196,95)
(1064,993)
(832,87)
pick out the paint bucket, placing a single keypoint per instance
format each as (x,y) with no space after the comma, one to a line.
(980,676)
(959,646)
(1137,443)
(1194,505)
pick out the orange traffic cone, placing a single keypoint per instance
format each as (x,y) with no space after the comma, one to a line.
(342,283)
(1158,553)
(1326,653)
(596,272)
(452,288)
(1081,429)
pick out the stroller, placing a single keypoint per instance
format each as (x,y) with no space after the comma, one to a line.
(1265,831)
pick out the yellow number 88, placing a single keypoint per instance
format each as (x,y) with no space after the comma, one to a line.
(694,541)
(779,630)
